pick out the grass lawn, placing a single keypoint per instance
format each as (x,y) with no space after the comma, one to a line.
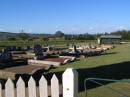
(115,64)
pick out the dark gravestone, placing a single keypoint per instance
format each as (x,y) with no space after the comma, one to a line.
(28,47)
(75,49)
(6,55)
(14,48)
(19,48)
(7,49)
(38,52)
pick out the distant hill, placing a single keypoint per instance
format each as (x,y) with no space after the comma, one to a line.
(5,35)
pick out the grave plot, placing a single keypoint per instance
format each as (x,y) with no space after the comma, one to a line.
(12,71)
(11,53)
(14,67)
(62,60)
(73,52)
(50,50)
(41,58)
(85,50)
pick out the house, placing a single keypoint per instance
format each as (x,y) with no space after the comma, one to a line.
(109,39)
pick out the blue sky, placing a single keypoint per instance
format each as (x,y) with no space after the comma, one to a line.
(69,16)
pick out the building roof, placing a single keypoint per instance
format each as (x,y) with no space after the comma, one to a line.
(110,36)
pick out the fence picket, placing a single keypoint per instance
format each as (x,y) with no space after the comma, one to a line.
(32,87)
(9,88)
(54,86)
(20,88)
(43,88)
(70,83)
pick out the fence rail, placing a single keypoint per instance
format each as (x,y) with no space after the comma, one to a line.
(97,82)
(69,86)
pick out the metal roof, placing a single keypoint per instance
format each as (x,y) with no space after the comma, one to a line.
(110,36)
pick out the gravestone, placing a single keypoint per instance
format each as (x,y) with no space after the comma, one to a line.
(7,49)
(75,49)
(6,55)
(19,48)
(14,48)
(38,52)
(28,47)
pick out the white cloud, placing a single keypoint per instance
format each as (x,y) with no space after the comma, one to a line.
(91,28)
(122,28)
(1,29)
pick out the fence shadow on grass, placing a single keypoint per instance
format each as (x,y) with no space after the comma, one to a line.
(110,53)
(114,71)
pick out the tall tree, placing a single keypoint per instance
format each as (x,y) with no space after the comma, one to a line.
(23,36)
(59,34)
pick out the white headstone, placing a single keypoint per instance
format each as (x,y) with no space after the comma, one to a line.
(32,87)
(9,88)
(43,88)
(54,86)
(20,88)
(70,83)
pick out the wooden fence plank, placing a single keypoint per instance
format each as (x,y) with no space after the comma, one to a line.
(43,88)
(9,88)
(32,87)
(70,83)
(20,88)
(54,86)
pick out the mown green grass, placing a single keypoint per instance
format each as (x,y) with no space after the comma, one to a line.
(55,42)
(120,53)
(114,65)
(104,66)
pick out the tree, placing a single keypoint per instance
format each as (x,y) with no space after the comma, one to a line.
(59,34)
(12,39)
(23,36)
(124,33)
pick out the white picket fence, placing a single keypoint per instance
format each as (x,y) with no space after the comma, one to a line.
(69,86)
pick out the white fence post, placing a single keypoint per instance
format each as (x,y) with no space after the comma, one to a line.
(70,83)
(9,88)
(20,88)
(32,87)
(54,86)
(43,88)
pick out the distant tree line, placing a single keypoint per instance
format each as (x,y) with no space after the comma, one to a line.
(124,33)
(59,34)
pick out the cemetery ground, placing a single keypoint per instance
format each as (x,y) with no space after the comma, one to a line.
(115,64)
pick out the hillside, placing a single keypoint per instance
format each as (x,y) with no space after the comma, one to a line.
(5,35)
